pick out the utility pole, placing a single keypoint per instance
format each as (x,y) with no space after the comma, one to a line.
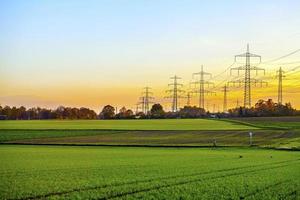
(237,103)
(201,83)
(280,75)
(175,92)
(247,81)
(146,99)
(225,90)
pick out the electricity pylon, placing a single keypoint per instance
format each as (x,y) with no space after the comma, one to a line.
(137,108)
(247,81)
(207,106)
(201,83)
(237,103)
(280,75)
(175,92)
(146,100)
(225,90)
(188,98)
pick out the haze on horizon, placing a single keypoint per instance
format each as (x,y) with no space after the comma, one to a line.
(93,53)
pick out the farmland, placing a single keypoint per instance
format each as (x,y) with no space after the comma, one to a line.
(263,138)
(176,168)
(162,124)
(169,132)
(31,172)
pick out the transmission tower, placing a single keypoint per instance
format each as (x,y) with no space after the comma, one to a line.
(237,103)
(201,83)
(137,108)
(175,92)
(225,90)
(247,81)
(280,75)
(142,103)
(207,106)
(146,100)
(188,98)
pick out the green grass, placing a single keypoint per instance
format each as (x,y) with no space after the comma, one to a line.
(262,138)
(171,132)
(147,173)
(13,135)
(162,124)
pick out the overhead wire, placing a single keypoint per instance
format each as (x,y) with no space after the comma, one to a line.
(281,57)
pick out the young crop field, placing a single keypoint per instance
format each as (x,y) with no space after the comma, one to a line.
(54,172)
(161,124)
(170,132)
(262,138)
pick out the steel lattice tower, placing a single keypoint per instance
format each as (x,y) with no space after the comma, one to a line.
(146,100)
(175,92)
(188,96)
(247,80)
(137,108)
(201,83)
(225,90)
(237,103)
(280,75)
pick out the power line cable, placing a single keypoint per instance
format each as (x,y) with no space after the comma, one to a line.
(281,57)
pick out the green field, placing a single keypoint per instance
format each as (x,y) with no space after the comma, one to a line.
(34,172)
(162,124)
(171,132)
(262,138)
(173,169)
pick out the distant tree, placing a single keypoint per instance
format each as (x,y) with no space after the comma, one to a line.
(125,114)
(121,113)
(22,114)
(45,113)
(157,111)
(108,112)
(264,108)
(191,112)
(129,114)
(85,113)
(140,115)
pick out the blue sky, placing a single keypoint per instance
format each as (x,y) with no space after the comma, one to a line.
(50,46)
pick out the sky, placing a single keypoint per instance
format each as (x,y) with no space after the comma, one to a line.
(93,53)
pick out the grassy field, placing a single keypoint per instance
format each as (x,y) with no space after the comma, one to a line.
(174,132)
(94,172)
(32,172)
(162,124)
(262,138)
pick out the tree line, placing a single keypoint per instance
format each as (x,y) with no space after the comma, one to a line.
(265,108)
(21,113)
(156,112)
(262,108)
